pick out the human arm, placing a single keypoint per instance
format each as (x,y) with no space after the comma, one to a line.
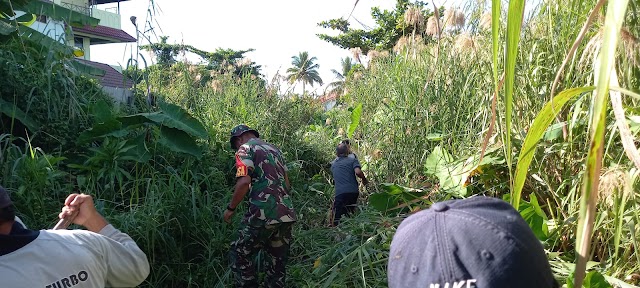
(360,175)
(358,170)
(241,189)
(80,207)
(126,263)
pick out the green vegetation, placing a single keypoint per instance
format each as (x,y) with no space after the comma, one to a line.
(429,120)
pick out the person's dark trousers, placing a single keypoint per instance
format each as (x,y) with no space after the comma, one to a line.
(344,204)
(274,240)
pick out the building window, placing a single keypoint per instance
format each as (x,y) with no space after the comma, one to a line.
(41,19)
(78,42)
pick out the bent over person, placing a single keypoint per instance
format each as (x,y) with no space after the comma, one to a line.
(345,169)
(261,172)
(100,257)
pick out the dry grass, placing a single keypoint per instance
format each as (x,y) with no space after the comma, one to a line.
(216,86)
(356,52)
(453,19)
(374,54)
(402,43)
(243,62)
(628,48)
(485,21)
(407,42)
(432,26)
(413,17)
(464,44)
(612,182)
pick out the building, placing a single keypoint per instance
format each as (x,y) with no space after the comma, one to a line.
(107,31)
(329,101)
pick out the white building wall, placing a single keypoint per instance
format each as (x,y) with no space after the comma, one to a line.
(53,28)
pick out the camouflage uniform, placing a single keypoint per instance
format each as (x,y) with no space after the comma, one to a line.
(267,224)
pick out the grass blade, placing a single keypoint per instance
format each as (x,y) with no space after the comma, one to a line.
(537,129)
(621,121)
(613,23)
(592,16)
(514,24)
(495,36)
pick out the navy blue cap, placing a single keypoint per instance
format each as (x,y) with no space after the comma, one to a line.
(5,201)
(475,242)
(239,130)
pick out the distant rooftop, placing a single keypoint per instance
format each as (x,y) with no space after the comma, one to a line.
(109,34)
(111,77)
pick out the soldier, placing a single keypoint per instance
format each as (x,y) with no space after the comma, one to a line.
(261,171)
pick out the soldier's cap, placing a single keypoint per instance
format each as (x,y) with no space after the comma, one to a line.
(5,201)
(476,242)
(239,130)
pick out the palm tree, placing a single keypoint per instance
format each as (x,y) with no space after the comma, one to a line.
(304,70)
(338,85)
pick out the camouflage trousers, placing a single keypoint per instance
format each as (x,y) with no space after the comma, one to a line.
(274,241)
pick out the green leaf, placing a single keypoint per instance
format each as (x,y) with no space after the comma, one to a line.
(434,137)
(616,10)
(108,128)
(382,201)
(451,174)
(593,279)
(535,217)
(554,132)
(172,116)
(355,120)
(514,23)
(135,119)
(101,111)
(58,12)
(6,28)
(537,129)
(138,151)
(392,189)
(495,38)
(14,112)
(437,160)
(44,40)
(179,141)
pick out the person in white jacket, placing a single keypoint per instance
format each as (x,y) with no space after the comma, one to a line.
(100,257)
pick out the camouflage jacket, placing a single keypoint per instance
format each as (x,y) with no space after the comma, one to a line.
(269,199)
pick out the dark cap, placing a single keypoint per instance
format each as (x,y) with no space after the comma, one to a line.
(239,130)
(476,242)
(342,150)
(5,201)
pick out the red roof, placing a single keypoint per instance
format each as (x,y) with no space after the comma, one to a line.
(329,97)
(111,77)
(105,32)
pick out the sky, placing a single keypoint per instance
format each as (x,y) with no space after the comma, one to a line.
(276,29)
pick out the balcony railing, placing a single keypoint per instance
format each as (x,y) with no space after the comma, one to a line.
(106,17)
(86,10)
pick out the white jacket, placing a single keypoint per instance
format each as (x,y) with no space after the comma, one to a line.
(75,258)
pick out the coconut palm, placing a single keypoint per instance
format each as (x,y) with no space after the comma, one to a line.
(338,85)
(304,70)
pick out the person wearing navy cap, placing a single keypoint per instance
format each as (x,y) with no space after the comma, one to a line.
(475,242)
